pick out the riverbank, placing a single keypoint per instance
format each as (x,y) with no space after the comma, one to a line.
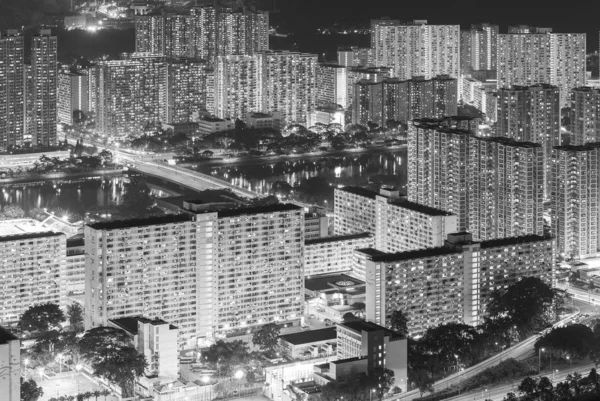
(35,178)
(251,160)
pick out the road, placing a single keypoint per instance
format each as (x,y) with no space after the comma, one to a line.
(521,350)
(498,393)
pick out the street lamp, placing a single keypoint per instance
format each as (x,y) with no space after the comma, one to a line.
(540,359)
(483,391)
(371,394)
(41,373)
(59,359)
(553,372)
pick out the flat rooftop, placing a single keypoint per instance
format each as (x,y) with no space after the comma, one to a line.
(378,256)
(280,207)
(21,226)
(311,336)
(417,207)
(513,240)
(341,281)
(148,221)
(361,325)
(337,238)
(367,193)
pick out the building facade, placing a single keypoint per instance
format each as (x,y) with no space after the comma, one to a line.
(237,87)
(479,47)
(189,87)
(417,49)
(574,194)
(45,85)
(542,57)
(12,90)
(392,99)
(495,186)
(33,268)
(331,84)
(451,283)
(73,94)
(333,254)
(585,116)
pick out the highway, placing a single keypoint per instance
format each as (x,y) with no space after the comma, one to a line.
(498,393)
(519,351)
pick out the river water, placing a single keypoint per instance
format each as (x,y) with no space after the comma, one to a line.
(258,175)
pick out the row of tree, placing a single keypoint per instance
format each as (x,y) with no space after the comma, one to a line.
(576,387)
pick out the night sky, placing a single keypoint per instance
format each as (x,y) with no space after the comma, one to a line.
(563,16)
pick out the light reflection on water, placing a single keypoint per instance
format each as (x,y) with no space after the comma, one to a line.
(80,196)
(351,169)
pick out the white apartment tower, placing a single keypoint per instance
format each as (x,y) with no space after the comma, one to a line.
(288,84)
(237,87)
(585,115)
(45,85)
(331,85)
(450,283)
(494,185)
(575,200)
(73,94)
(417,49)
(531,114)
(189,88)
(398,224)
(146,267)
(534,58)
(32,269)
(12,90)
(479,47)
(10,360)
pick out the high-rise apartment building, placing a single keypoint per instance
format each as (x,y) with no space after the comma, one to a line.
(495,186)
(128,95)
(333,254)
(237,86)
(143,267)
(531,114)
(12,90)
(544,57)
(575,200)
(33,266)
(331,84)
(397,224)
(288,84)
(355,57)
(479,47)
(45,85)
(417,49)
(585,115)
(189,88)
(392,99)
(207,272)
(150,34)
(206,32)
(450,283)
(73,95)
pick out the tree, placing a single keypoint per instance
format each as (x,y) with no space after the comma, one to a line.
(350,317)
(576,340)
(105,156)
(399,322)
(545,389)
(227,356)
(12,212)
(359,308)
(266,338)
(110,353)
(528,388)
(42,317)
(358,386)
(75,316)
(423,381)
(527,304)
(450,343)
(30,391)
(137,200)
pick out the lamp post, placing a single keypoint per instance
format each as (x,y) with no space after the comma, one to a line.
(540,359)
(78,369)
(482,392)
(553,372)
(239,375)
(371,394)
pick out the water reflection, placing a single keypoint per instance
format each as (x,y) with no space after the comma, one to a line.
(351,169)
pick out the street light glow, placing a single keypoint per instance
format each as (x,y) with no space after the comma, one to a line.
(239,374)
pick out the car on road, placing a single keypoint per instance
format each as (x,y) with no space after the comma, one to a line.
(312,316)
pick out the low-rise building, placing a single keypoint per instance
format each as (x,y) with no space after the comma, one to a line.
(327,115)
(365,346)
(331,296)
(309,344)
(156,340)
(265,120)
(316,225)
(10,363)
(208,124)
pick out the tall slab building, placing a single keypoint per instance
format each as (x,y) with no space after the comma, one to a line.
(12,90)
(45,87)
